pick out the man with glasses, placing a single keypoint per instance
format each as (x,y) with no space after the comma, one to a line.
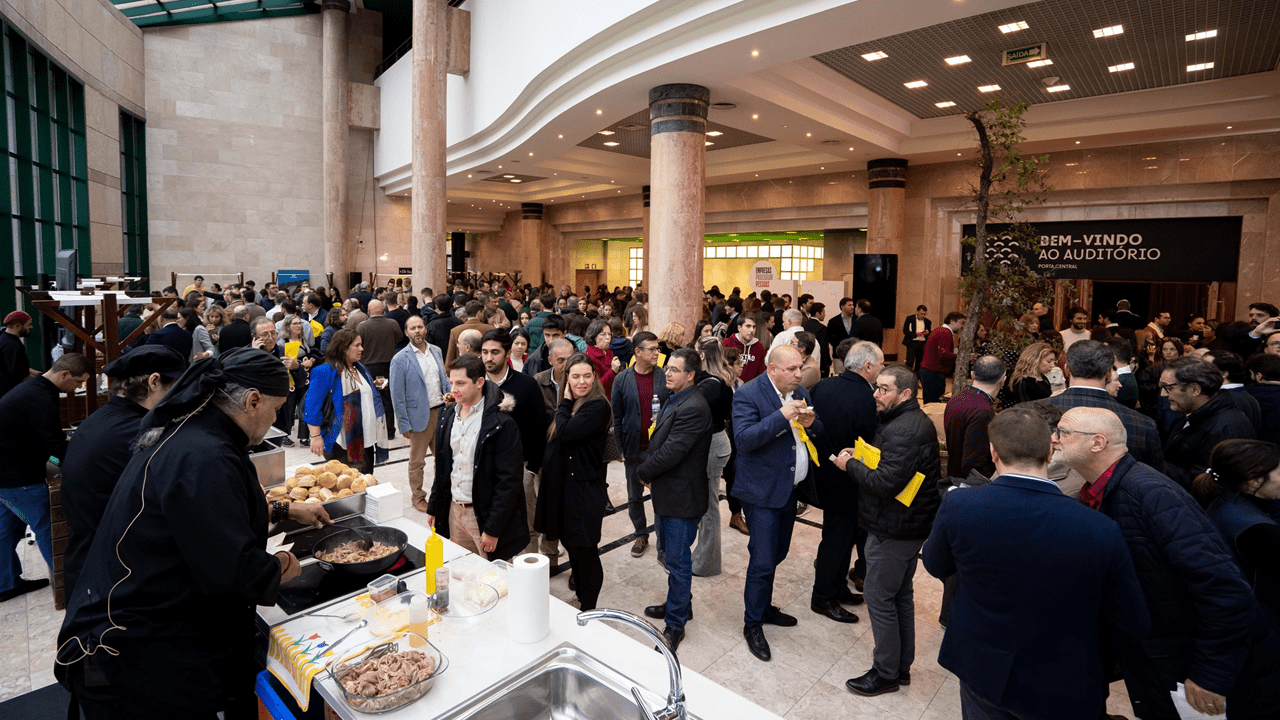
(634,391)
(264,338)
(1207,630)
(897,501)
(1193,388)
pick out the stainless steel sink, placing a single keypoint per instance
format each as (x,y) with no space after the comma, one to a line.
(564,684)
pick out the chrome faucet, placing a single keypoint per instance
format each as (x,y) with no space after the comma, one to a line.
(675,709)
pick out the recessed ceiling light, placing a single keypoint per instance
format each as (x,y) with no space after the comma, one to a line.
(1014,27)
(468,176)
(612,144)
(517,180)
(755,53)
(1109,31)
(1077,142)
(958,60)
(1202,35)
(606,132)
(916,84)
(1228,127)
(599,112)
(988,88)
(710,143)
(1058,88)
(808,134)
(946,104)
(714,133)
(755,117)
(508,176)
(1121,67)
(850,149)
(873,56)
(1199,66)
(1039,63)
(561,137)
(530,154)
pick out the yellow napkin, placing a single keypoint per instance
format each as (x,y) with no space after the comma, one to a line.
(909,492)
(291,349)
(804,438)
(866,453)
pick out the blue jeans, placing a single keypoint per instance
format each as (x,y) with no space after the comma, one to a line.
(20,507)
(768,545)
(677,537)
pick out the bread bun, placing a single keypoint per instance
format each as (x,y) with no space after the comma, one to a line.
(305,470)
(326,495)
(369,480)
(345,492)
(291,483)
(277,492)
(327,480)
(333,466)
(315,500)
(344,482)
(314,491)
(306,482)
(358,485)
(298,493)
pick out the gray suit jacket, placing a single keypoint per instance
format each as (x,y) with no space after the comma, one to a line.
(409,388)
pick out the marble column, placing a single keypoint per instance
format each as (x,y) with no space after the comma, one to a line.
(886,221)
(427,206)
(334,96)
(531,244)
(677,171)
(644,233)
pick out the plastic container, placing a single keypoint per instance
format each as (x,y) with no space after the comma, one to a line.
(420,617)
(382,588)
(399,698)
(468,603)
(392,615)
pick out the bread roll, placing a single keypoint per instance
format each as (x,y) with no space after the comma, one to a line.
(326,495)
(298,493)
(369,480)
(306,482)
(358,485)
(277,492)
(304,470)
(314,491)
(291,483)
(345,492)
(315,500)
(344,482)
(333,466)
(327,480)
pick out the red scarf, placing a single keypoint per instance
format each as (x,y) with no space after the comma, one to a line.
(1092,492)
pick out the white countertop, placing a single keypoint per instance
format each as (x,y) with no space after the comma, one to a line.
(486,655)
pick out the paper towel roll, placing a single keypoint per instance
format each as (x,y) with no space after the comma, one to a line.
(529,598)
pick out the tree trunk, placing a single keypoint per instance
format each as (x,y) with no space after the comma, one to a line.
(976,307)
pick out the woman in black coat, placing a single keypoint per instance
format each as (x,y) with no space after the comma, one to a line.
(573,493)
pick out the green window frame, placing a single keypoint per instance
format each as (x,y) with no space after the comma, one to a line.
(44,201)
(133,194)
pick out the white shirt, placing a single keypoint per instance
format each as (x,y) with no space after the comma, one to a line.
(368,413)
(1070,337)
(802,452)
(430,374)
(1036,477)
(784,338)
(463,438)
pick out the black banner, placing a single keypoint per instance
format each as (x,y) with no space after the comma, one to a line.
(1205,249)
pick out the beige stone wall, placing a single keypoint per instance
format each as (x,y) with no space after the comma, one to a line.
(103,50)
(233,147)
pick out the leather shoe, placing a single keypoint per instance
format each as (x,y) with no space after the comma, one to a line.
(774,616)
(658,612)
(673,638)
(834,611)
(850,598)
(739,523)
(573,582)
(871,684)
(756,642)
(857,581)
(904,677)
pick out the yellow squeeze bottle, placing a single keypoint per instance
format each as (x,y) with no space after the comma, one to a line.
(434,550)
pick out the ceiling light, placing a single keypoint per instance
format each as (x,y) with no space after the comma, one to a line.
(599,112)
(808,134)
(714,133)
(1109,31)
(946,104)
(530,154)
(755,117)
(1058,88)
(1228,127)
(517,180)
(468,176)
(958,60)
(1202,35)
(606,132)
(988,88)
(508,176)
(1014,27)
(755,53)
(1121,67)
(850,149)
(916,84)
(612,144)
(873,56)
(710,143)
(560,137)
(1039,63)
(1199,66)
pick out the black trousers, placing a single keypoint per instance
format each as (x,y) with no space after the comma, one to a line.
(835,552)
(915,353)
(588,573)
(340,454)
(98,699)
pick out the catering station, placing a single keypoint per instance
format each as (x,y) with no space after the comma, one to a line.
(389,618)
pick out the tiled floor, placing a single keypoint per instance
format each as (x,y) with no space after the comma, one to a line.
(810,661)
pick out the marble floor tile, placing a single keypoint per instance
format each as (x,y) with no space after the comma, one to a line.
(775,686)
(908,702)
(824,702)
(15,672)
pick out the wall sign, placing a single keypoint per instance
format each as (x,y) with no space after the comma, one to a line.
(1204,249)
(406,271)
(1039,51)
(763,274)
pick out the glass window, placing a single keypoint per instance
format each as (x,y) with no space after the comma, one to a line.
(775,251)
(133,194)
(786,264)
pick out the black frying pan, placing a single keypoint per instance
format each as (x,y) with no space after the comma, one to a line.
(384,535)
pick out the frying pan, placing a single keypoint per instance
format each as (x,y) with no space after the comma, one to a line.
(385,535)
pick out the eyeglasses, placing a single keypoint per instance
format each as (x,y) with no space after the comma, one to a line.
(883,389)
(1060,430)
(653,348)
(1166,387)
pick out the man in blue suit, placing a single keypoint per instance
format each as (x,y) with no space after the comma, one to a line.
(419,381)
(772,460)
(1015,545)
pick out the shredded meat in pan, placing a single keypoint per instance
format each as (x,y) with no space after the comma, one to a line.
(349,553)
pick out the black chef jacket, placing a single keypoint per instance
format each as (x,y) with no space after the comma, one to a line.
(198,565)
(30,432)
(14,366)
(97,454)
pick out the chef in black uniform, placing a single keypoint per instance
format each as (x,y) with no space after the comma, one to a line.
(103,444)
(161,623)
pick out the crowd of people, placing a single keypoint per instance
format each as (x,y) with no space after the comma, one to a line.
(1127,473)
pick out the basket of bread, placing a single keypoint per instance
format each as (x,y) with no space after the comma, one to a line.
(321,483)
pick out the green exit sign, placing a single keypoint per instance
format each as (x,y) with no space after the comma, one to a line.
(1030,53)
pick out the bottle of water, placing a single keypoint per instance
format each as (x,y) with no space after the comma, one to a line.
(656,410)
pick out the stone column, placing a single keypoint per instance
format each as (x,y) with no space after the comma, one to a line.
(677,171)
(427,205)
(531,243)
(334,89)
(644,233)
(886,218)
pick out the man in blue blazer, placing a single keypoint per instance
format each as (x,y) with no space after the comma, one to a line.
(419,381)
(772,461)
(1017,546)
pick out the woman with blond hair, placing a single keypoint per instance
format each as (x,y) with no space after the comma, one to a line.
(1028,381)
(671,338)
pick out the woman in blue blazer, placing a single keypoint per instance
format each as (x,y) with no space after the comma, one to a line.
(343,410)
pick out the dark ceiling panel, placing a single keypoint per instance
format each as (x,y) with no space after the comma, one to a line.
(1154,39)
(632,135)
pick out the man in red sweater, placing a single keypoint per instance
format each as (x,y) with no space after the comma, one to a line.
(753,352)
(940,357)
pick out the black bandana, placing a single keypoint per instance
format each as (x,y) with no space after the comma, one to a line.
(246,367)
